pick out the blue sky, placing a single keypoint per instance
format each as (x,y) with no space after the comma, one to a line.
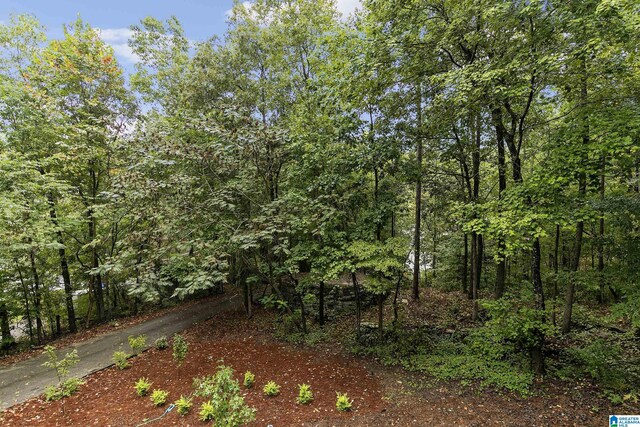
(200,18)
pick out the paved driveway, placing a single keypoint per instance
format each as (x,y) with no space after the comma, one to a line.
(24,380)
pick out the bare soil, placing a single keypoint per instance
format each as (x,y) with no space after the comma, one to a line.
(108,397)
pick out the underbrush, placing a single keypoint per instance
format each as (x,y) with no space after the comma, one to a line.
(449,357)
(610,359)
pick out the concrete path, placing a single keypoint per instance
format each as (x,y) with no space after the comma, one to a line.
(24,380)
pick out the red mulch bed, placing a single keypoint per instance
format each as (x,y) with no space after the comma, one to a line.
(108,397)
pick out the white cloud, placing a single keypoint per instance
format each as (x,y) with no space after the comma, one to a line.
(347,7)
(229,13)
(118,38)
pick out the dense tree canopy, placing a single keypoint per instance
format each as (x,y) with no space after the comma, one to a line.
(485,147)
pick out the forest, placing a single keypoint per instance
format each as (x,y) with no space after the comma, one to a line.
(415,152)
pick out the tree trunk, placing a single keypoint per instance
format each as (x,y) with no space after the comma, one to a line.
(582,191)
(418,212)
(36,297)
(25,293)
(95,280)
(465,264)
(380,316)
(64,265)
(502,186)
(601,235)
(555,271)
(7,338)
(321,304)
(356,291)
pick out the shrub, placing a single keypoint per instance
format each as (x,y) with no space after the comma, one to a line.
(65,389)
(249,379)
(180,349)
(161,343)
(271,389)
(120,358)
(142,386)
(183,405)
(66,386)
(225,404)
(603,362)
(159,397)
(137,344)
(305,395)
(343,404)
(207,412)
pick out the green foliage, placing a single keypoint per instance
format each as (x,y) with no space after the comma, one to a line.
(602,361)
(121,359)
(457,361)
(272,302)
(159,397)
(138,343)
(180,349)
(207,411)
(249,379)
(183,405)
(142,386)
(305,395)
(271,389)
(225,404)
(161,343)
(343,403)
(400,343)
(66,386)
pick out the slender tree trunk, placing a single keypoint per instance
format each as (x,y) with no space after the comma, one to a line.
(321,304)
(36,297)
(474,273)
(64,265)
(477,246)
(7,338)
(356,291)
(465,264)
(380,317)
(502,186)
(582,191)
(555,278)
(601,231)
(25,293)
(418,212)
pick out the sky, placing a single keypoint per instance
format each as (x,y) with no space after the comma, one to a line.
(201,19)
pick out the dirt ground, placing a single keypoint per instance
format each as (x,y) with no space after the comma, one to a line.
(108,397)
(382,396)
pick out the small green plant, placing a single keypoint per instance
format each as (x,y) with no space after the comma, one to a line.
(142,386)
(161,343)
(183,405)
(137,344)
(180,349)
(66,389)
(249,379)
(66,386)
(159,397)
(305,395)
(120,358)
(343,404)
(271,389)
(207,411)
(225,404)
